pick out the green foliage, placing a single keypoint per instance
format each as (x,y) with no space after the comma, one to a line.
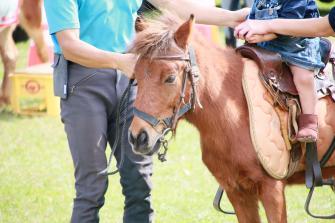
(325,5)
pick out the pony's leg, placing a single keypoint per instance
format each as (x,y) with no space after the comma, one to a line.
(271,193)
(245,204)
(8,52)
(31,21)
(243,197)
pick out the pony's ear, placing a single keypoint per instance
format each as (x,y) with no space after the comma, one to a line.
(183,33)
(140,24)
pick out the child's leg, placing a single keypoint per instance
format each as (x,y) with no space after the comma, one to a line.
(304,81)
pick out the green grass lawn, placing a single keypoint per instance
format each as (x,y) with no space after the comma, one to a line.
(36,178)
(36,183)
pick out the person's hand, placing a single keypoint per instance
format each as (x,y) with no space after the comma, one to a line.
(250,28)
(126,64)
(240,16)
(260,38)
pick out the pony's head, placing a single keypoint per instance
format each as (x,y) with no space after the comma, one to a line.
(161,73)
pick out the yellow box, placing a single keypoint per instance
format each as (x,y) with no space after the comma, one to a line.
(32,91)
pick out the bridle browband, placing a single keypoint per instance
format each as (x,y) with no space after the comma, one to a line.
(192,74)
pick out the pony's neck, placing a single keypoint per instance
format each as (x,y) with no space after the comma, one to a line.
(219,88)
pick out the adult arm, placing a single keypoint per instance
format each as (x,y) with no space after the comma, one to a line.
(87,55)
(204,14)
(299,27)
(291,27)
(324,26)
(63,21)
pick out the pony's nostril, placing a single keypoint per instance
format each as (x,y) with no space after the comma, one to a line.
(142,138)
(131,138)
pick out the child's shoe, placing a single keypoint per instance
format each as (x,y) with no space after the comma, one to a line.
(308,128)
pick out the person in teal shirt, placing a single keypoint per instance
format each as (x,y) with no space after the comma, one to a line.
(91,38)
(105,31)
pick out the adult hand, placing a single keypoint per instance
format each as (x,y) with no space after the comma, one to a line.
(260,38)
(126,64)
(251,28)
(240,16)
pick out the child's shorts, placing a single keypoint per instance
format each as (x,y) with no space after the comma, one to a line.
(302,52)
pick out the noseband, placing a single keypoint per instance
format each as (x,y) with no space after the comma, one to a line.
(191,73)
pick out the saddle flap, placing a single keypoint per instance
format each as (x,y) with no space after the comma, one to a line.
(272,68)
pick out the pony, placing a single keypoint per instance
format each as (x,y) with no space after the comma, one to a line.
(220,114)
(30,18)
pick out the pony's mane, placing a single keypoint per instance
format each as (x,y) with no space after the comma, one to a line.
(157,36)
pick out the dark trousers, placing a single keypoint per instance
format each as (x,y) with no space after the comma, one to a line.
(89,115)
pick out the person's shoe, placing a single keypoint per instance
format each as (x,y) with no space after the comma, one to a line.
(308,128)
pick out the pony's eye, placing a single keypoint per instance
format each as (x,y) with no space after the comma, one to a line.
(171,79)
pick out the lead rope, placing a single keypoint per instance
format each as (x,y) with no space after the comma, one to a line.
(122,111)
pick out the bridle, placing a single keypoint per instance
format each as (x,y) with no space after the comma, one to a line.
(191,73)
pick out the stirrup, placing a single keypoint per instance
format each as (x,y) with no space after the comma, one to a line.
(217,202)
(309,198)
(314,177)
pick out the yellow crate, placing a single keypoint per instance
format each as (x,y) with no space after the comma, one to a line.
(32,91)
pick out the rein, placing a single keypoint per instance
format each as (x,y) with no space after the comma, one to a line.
(191,74)
(122,112)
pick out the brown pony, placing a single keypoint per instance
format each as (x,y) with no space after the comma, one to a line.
(30,18)
(223,121)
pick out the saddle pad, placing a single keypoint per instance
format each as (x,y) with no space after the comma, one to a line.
(268,125)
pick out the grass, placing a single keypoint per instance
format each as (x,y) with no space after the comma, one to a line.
(37,184)
(36,178)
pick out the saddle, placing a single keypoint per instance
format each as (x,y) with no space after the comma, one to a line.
(277,78)
(279,153)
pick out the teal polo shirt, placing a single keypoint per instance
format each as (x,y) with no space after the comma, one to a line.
(105,24)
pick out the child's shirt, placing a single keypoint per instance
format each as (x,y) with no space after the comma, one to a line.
(289,9)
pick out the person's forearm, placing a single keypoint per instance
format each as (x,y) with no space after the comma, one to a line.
(299,27)
(82,53)
(87,55)
(204,14)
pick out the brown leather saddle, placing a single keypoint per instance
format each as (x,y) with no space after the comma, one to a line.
(277,77)
(278,80)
